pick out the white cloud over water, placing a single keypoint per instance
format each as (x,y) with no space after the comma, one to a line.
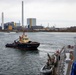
(61,13)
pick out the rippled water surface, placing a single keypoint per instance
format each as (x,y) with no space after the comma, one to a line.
(20,62)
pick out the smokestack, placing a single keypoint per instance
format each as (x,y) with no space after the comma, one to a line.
(22,13)
(2,21)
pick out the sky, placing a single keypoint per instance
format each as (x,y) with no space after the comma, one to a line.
(58,13)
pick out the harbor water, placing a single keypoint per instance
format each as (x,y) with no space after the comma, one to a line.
(22,62)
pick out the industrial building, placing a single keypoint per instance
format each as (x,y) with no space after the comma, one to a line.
(31,22)
(10,25)
(37,27)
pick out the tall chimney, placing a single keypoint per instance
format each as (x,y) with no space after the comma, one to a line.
(2,21)
(22,13)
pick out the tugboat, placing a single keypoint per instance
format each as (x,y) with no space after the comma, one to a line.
(23,43)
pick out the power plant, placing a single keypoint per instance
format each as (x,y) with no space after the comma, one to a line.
(31,23)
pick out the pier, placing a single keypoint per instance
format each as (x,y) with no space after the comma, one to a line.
(62,61)
(66,60)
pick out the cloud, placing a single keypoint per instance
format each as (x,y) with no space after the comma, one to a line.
(29,1)
(49,1)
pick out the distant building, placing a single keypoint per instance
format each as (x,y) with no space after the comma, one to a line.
(17,24)
(31,22)
(37,27)
(0,27)
(9,25)
(19,28)
(53,28)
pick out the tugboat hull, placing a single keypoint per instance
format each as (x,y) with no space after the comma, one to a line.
(32,45)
